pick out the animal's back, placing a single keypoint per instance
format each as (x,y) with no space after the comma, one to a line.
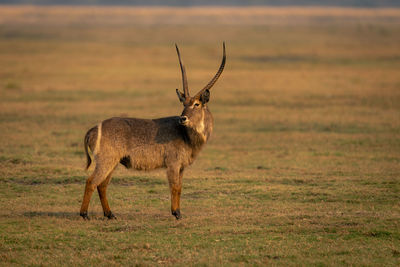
(141,144)
(138,132)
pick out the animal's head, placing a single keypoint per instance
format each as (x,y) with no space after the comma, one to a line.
(195,106)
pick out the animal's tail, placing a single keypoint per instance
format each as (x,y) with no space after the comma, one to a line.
(90,142)
(86,144)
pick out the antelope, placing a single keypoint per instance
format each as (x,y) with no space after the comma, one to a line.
(146,144)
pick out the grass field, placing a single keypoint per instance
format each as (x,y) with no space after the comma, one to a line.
(303,167)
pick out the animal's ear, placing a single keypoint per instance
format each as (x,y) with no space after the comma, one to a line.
(205,96)
(181,96)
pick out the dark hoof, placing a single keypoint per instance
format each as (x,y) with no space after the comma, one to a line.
(110,216)
(85,216)
(177,214)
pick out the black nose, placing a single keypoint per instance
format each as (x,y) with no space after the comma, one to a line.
(183,119)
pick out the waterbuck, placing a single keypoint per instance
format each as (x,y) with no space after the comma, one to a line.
(143,144)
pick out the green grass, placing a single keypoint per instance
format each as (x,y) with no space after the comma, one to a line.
(302,167)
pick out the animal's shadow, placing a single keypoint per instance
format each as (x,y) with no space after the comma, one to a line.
(94,215)
(61,214)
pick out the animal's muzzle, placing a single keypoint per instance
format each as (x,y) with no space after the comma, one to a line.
(183,120)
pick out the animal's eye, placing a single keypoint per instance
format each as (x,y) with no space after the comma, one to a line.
(196,104)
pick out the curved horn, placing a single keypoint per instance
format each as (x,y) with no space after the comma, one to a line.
(213,80)
(184,79)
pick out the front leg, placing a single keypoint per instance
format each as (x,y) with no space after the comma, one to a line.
(175,186)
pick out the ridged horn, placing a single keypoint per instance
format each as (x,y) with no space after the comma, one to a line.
(215,78)
(184,78)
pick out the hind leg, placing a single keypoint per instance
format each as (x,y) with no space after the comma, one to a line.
(98,176)
(102,190)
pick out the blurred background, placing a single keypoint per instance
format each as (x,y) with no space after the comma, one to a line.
(349,3)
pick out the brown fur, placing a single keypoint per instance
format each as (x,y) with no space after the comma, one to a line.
(171,142)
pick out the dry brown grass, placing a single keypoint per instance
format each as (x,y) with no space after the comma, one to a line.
(302,169)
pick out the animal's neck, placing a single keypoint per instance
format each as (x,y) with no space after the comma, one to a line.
(195,139)
(199,134)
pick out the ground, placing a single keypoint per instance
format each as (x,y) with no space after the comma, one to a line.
(302,167)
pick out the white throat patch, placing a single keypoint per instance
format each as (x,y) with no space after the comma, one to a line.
(200,127)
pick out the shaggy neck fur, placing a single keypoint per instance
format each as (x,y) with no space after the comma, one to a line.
(199,134)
